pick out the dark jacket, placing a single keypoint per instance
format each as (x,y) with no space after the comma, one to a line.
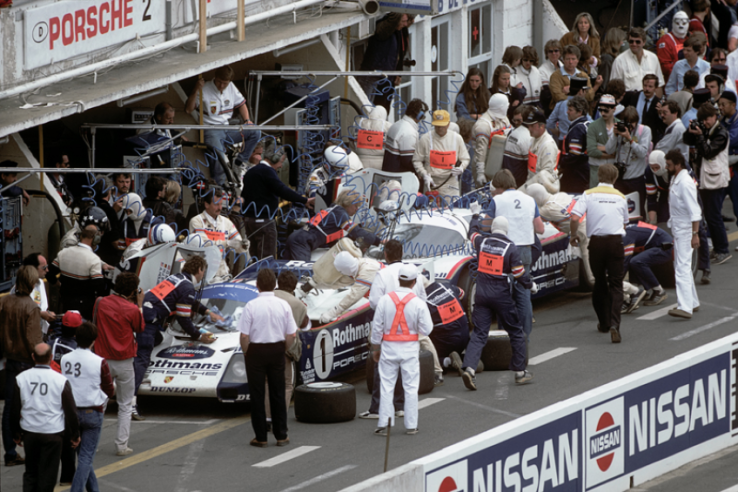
(162,208)
(707,146)
(20,327)
(262,190)
(651,119)
(385,46)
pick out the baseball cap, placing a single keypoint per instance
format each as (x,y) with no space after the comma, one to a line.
(408,272)
(441,118)
(608,100)
(72,319)
(535,117)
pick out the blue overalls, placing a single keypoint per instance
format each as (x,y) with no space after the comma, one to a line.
(643,250)
(498,267)
(450,326)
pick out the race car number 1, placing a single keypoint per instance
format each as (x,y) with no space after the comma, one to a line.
(490,264)
(443,159)
(163,289)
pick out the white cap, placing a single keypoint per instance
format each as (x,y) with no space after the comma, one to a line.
(408,272)
(346,263)
(499,225)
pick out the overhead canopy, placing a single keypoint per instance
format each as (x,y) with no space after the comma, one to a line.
(125,80)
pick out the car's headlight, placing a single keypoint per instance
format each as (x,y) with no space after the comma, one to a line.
(236,371)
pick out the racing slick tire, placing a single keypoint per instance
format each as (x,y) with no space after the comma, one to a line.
(584,284)
(427,373)
(468,284)
(497,353)
(325,402)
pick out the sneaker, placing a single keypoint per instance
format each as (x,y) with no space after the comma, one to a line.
(124,452)
(721,258)
(368,415)
(438,380)
(456,362)
(469,380)
(615,335)
(680,313)
(380,431)
(705,277)
(18,460)
(624,307)
(656,298)
(523,377)
(135,415)
(411,432)
(400,413)
(713,255)
(635,300)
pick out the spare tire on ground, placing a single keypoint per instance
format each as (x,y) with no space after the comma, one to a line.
(427,373)
(325,402)
(497,353)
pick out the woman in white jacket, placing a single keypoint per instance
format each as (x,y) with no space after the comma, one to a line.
(529,75)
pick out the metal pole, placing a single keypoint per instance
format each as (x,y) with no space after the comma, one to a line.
(258,90)
(93,131)
(348,60)
(133,170)
(187,128)
(168,20)
(300,100)
(630,23)
(241,29)
(41,151)
(202,132)
(9,170)
(203,26)
(337,73)
(386,448)
(662,14)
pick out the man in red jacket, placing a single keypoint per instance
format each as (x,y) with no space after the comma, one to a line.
(118,316)
(670,44)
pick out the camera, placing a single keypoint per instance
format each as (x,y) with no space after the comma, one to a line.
(621,126)
(694,124)
(409,63)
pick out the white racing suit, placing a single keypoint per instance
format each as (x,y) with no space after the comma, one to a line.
(222,233)
(684,209)
(484,129)
(370,137)
(360,285)
(436,156)
(543,160)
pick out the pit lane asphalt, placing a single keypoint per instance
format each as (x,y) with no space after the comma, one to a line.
(188,445)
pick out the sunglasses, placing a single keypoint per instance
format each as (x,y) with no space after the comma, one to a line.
(719,59)
(605,109)
(45,267)
(634,41)
(552,51)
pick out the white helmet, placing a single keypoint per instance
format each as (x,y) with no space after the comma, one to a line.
(336,157)
(160,233)
(197,240)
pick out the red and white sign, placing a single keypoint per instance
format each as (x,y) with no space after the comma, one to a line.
(451,478)
(66,29)
(604,442)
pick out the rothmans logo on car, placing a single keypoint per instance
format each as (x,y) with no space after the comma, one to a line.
(186,352)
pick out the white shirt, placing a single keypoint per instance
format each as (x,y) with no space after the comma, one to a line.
(546,69)
(387,280)
(683,204)
(39,297)
(520,211)
(41,400)
(626,67)
(416,312)
(606,209)
(267,319)
(219,106)
(83,370)
(402,137)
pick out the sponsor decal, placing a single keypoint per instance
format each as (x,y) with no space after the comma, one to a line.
(605,450)
(168,379)
(171,389)
(323,354)
(554,259)
(545,458)
(351,333)
(166,364)
(189,351)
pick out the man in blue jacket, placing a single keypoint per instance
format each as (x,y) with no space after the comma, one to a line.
(262,190)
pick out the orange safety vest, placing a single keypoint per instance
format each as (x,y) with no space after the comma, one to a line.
(400,322)
(318,218)
(533,161)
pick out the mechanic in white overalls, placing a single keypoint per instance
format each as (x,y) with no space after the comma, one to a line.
(370,137)
(362,271)
(684,221)
(491,123)
(398,320)
(437,155)
(543,156)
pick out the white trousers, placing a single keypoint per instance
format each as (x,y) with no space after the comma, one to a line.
(123,377)
(686,292)
(395,357)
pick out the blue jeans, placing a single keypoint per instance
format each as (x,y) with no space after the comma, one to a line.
(12,369)
(521,295)
(90,426)
(216,139)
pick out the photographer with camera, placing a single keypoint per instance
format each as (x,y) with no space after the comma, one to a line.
(630,144)
(710,140)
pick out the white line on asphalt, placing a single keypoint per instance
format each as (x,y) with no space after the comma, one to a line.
(485,407)
(149,421)
(658,313)
(538,359)
(428,402)
(690,333)
(320,478)
(286,456)
(734,488)
(190,463)
(108,483)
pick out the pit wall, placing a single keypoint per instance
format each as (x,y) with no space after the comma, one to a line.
(606,440)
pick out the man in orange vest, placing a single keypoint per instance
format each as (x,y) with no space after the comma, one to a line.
(398,320)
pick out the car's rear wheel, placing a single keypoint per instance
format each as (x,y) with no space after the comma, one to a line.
(325,402)
(468,284)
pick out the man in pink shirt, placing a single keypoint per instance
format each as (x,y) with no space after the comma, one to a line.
(118,316)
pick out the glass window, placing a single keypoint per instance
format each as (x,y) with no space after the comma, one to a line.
(480,39)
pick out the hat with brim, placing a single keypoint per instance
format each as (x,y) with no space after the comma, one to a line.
(441,118)
(408,272)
